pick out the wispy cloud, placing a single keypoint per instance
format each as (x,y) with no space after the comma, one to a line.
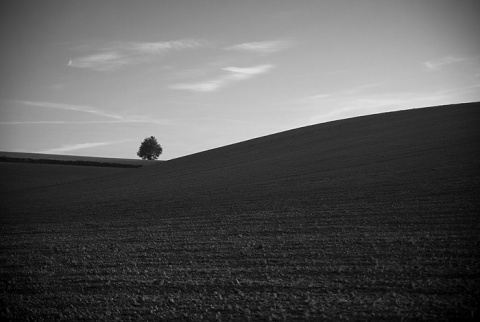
(438,64)
(106,61)
(309,100)
(120,54)
(375,97)
(248,71)
(314,100)
(234,74)
(74,147)
(152,121)
(111,118)
(71,107)
(328,107)
(262,47)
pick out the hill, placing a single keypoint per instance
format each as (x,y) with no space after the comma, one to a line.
(369,218)
(23,171)
(392,158)
(58,157)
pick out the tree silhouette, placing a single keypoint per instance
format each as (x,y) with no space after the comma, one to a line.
(149,149)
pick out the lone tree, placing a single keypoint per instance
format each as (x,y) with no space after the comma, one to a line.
(149,149)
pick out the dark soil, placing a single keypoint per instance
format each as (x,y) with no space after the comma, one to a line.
(371,218)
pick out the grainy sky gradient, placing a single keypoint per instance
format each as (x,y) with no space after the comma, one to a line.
(97,77)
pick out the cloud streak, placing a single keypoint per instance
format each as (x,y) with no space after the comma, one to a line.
(81,146)
(437,64)
(71,107)
(112,118)
(121,54)
(351,103)
(233,74)
(261,47)
(160,122)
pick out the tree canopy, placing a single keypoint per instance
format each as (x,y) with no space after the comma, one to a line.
(149,149)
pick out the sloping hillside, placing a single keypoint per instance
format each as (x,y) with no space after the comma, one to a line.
(57,157)
(20,178)
(391,159)
(370,218)
(20,172)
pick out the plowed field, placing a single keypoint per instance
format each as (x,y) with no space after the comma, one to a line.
(372,218)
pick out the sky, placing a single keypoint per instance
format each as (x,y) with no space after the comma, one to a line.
(95,78)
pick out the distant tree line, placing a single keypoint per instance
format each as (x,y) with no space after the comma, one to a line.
(69,162)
